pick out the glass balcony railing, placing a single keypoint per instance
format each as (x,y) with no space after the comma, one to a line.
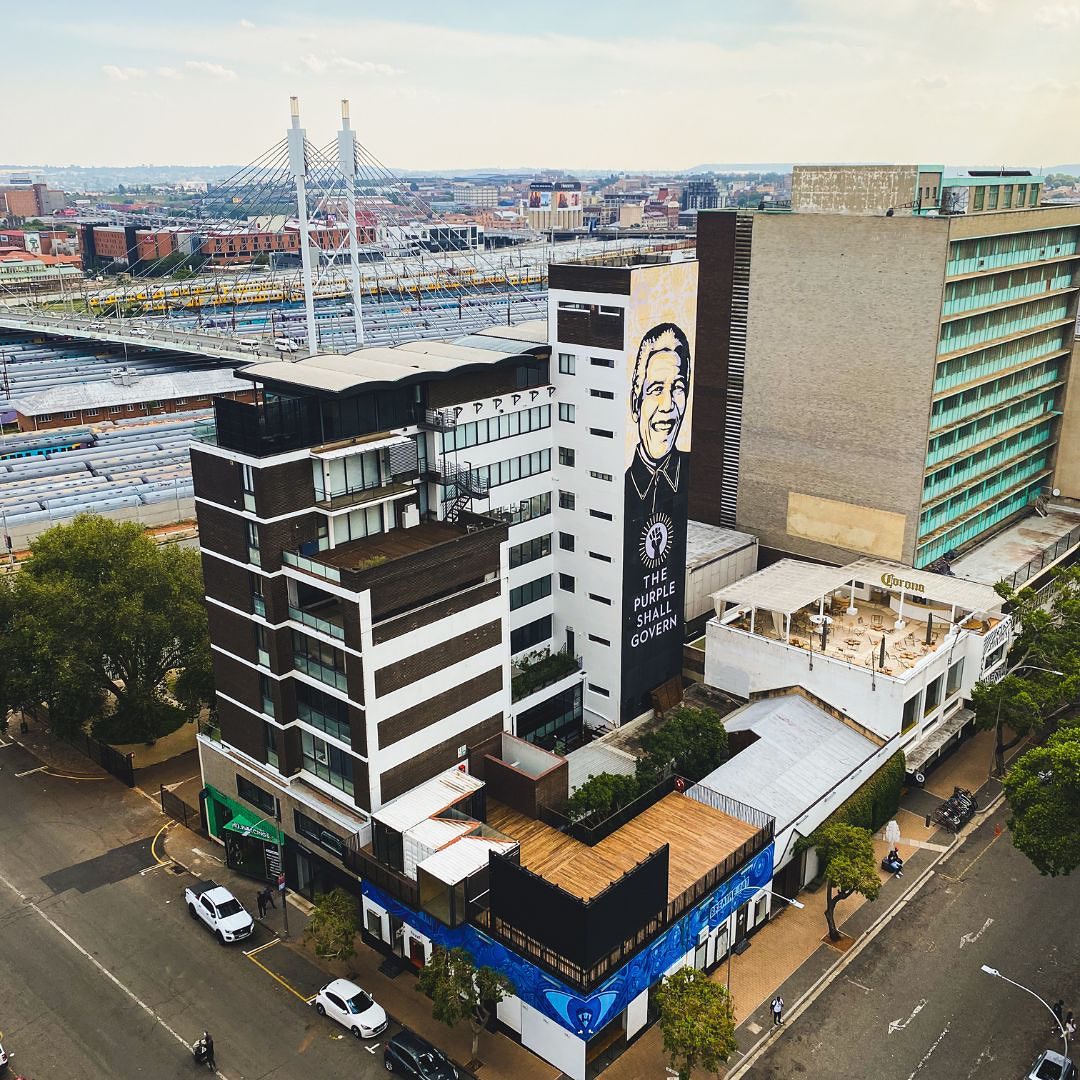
(324,625)
(328,675)
(975,293)
(998,252)
(302,562)
(990,426)
(978,329)
(987,363)
(979,399)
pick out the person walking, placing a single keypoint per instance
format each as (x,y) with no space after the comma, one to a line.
(1058,1009)
(268,898)
(260,899)
(777,1010)
(1070,1026)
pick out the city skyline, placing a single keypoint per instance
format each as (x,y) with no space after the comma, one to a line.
(973,81)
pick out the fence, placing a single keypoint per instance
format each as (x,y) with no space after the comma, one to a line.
(1049,554)
(110,760)
(175,807)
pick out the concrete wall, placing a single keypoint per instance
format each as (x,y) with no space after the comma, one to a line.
(841,346)
(847,189)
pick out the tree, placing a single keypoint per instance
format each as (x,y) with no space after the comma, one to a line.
(459,990)
(1043,790)
(601,795)
(849,866)
(334,925)
(106,616)
(1048,637)
(692,742)
(696,1021)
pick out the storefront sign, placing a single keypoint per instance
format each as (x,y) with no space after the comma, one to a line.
(890,581)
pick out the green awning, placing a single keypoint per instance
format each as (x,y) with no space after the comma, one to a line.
(247,822)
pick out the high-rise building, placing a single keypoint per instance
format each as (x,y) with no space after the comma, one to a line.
(882,384)
(554,205)
(702,195)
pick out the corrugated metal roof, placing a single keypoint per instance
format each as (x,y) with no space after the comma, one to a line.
(706,542)
(595,758)
(463,857)
(427,800)
(786,586)
(801,754)
(102,393)
(435,833)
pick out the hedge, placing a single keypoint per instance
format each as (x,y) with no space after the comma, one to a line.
(875,801)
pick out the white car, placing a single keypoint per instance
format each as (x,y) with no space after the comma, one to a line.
(352,1007)
(219,910)
(138,331)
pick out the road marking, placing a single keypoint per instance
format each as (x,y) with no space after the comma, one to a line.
(68,776)
(170,787)
(858,984)
(926,1057)
(259,948)
(960,876)
(277,978)
(899,1025)
(970,939)
(153,846)
(203,855)
(40,768)
(155,1016)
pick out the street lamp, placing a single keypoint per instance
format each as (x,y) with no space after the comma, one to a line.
(1057,1019)
(999,766)
(247,830)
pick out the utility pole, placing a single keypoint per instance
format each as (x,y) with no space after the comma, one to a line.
(298,167)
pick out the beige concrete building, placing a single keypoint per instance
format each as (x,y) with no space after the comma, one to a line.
(884,386)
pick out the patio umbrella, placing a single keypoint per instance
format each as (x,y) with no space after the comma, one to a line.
(881,661)
(892,834)
(930,628)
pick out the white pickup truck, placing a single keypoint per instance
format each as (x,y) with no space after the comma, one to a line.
(220,910)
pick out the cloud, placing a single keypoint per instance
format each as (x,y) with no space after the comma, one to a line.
(247,24)
(1058,16)
(218,71)
(122,74)
(168,73)
(319,64)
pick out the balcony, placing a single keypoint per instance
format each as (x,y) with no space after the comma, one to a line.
(462,477)
(439,420)
(365,494)
(537,672)
(325,626)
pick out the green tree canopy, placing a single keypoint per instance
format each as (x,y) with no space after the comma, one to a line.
(601,795)
(334,924)
(696,1021)
(459,990)
(691,741)
(103,615)
(1043,790)
(849,866)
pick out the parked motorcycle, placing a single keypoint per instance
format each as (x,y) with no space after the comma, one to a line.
(957,810)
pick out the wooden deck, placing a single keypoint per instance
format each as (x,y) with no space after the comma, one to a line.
(698,838)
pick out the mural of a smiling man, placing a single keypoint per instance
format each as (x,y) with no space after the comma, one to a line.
(658,397)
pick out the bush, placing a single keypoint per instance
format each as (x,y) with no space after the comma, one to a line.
(692,742)
(601,795)
(138,723)
(539,669)
(872,804)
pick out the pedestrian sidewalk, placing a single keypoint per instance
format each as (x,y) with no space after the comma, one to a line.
(397,994)
(789,954)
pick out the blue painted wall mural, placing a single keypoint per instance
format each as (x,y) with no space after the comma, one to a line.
(585,1016)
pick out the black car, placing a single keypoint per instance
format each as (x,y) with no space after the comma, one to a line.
(410,1055)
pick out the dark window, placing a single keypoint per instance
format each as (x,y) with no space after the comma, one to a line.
(566,363)
(911,712)
(956,677)
(601,476)
(567,500)
(557,718)
(249,792)
(566,582)
(599,599)
(602,433)
(520,554)
(329,714)
(311,830)
(566,541)
(608,395)
(530,592)
(566,456)
(530,635)
(566,412)
(601,514)
(597,555)
(933,695)
(326,761)
(598,361)
(599,690)
(599,640)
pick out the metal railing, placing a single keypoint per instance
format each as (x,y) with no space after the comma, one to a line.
(591,830)
(312,566)
(1049,554)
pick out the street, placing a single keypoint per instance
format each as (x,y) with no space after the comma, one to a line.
(914,1003)
(102,972)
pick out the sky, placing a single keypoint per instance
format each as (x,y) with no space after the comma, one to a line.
(587,84)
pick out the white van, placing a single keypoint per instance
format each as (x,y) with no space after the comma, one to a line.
(249,344)
(285,345)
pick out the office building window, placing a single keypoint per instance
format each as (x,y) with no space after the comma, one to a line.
(566,456)
(518,468)
(566,412)
(601,514)
(530,635)
(911,712)
(597,555)
(262,648)
(70,415)
(270,744)
(328,714)
(598,361)
(504,426)
(566,582)
(602,433)
(255,795)
(319,660)
(530,592)
(933,695)
(311,830)
(600,640)
(567,363)
(567,501)
(978,197)
(566,541)
(530,550)
(606,477)
(956,677)
(599,690)
(607,395)
(327,762)
(599,599)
